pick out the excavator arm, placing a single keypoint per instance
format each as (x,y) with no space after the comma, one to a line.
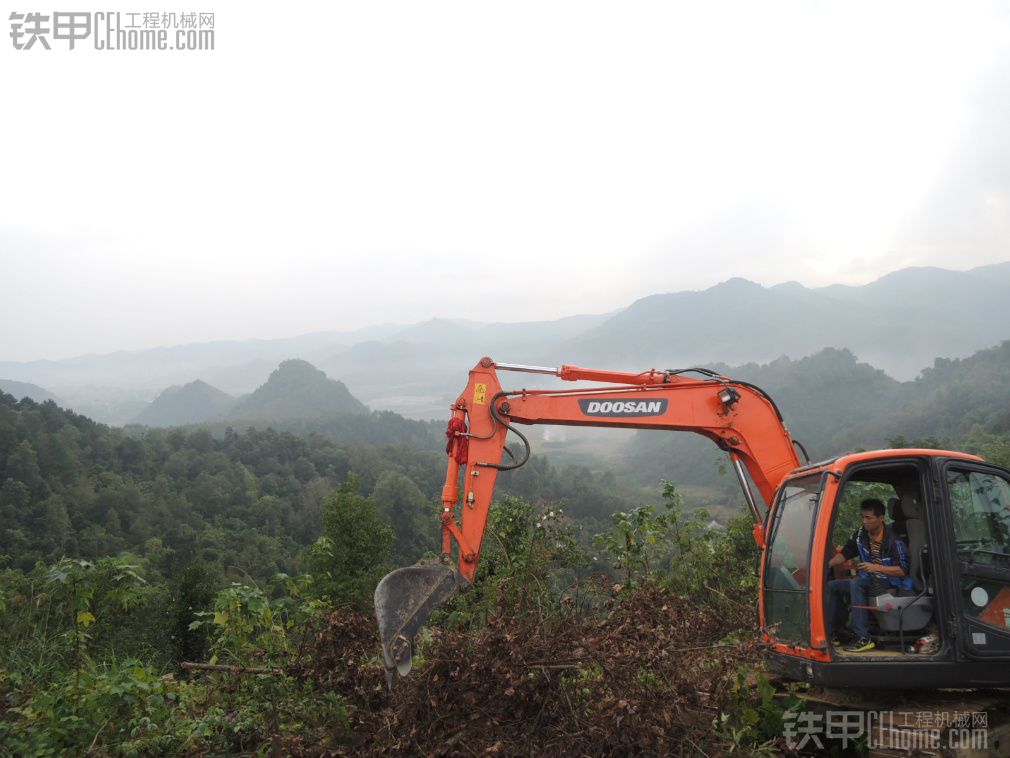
(738,417)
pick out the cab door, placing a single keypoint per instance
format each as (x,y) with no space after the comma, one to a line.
(978,504)
(785,588)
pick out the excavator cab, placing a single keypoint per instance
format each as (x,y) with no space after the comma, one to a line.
(951,628)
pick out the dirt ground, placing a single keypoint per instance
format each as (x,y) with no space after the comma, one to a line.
(646,674)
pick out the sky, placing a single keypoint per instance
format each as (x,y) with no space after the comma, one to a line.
(330,166)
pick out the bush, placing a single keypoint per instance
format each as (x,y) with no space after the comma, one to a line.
(96,708)
(684,552)
(529,558)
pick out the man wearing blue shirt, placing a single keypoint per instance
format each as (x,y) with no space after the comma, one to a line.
(882,565)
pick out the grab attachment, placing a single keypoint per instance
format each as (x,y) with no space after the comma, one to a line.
(404,600)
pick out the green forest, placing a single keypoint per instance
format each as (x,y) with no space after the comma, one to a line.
(122,551)
(207,590)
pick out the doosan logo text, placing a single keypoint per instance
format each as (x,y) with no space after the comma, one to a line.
(623,408)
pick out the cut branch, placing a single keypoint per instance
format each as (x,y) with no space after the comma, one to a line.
(187,666)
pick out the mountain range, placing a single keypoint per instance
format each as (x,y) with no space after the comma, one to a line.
(831,402)
(294,390)
(900,324)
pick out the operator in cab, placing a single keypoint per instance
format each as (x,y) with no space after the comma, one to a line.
(882,563)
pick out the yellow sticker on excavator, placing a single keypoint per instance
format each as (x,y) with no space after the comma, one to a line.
(479,394)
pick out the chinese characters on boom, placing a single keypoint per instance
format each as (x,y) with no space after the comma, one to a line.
(100,30)
(889,730)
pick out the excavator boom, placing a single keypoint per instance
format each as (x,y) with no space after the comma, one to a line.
(736,416)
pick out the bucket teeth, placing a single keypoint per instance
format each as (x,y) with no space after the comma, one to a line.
(404,600)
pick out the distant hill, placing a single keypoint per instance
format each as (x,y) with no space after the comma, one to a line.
(159,367)
(24,389)
(899,323)
(297,389)
(948,402)
(193,403)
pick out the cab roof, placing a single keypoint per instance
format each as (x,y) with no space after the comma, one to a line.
(842,462)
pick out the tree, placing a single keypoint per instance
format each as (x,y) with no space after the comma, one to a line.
(192,592)
(350,558)
(23,467)
(413,518)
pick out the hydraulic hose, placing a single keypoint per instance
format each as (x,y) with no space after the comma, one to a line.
(526,443)
(802,449)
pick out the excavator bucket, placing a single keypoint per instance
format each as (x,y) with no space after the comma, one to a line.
(403,601)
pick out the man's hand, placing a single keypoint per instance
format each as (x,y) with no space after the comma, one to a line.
(880,568)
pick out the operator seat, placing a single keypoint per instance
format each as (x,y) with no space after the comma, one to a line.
(908,613)
(915,528)
(898,519)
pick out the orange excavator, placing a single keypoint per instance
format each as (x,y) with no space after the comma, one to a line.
(951,509)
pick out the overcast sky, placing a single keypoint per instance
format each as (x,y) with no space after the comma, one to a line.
(335,165)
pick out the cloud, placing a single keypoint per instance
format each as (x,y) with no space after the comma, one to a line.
(398,162)
(965,217)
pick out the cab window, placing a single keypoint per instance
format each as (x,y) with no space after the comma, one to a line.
(980,503)
(980,508)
